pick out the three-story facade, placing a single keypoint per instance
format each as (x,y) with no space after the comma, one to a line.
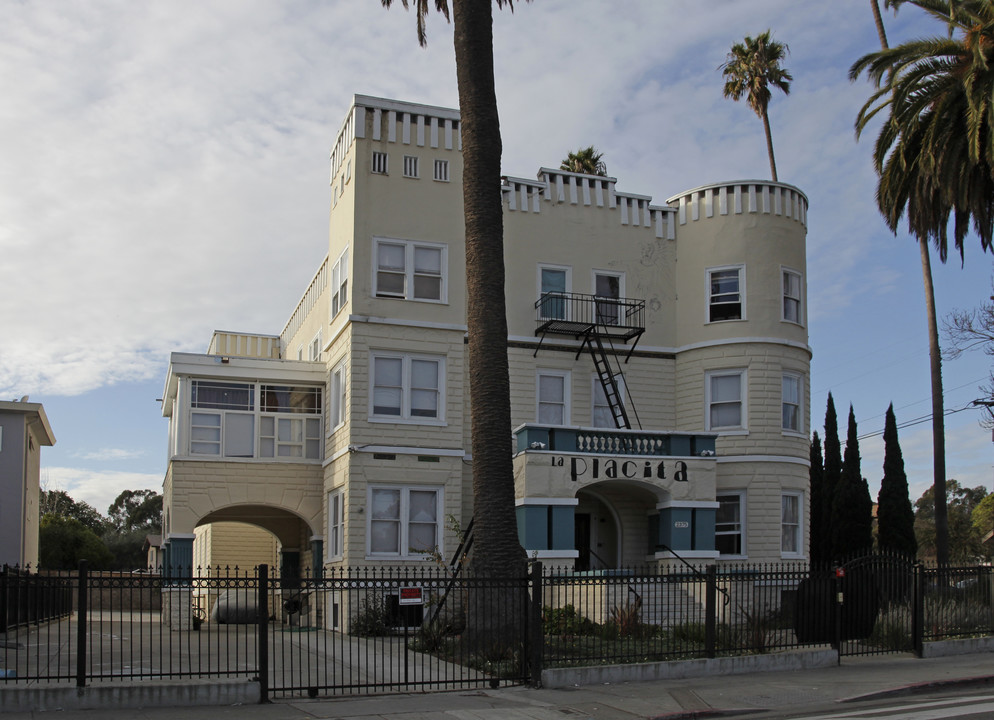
(659,366)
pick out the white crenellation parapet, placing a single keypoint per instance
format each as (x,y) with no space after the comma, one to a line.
(238,344)
(522,195)
(420,125)
(741,197)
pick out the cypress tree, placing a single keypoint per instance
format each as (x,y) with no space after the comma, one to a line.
(852,508)
(831,475)
(819,516)
(895,516)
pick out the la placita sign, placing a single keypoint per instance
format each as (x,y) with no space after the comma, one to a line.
(619,468)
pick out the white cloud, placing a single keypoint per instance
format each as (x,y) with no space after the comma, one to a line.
(112,454)
(98,488)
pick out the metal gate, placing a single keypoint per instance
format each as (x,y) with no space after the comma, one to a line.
(880,608)
(391,630)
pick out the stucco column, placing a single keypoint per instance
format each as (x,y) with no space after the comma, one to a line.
(317,557)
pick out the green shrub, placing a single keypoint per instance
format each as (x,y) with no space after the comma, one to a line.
(565,621)
(373,618)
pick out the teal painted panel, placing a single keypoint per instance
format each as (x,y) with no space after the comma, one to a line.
(533,527)
(704,521)
(681,529)
(563,534)
(530,435)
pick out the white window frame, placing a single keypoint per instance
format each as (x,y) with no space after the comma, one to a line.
(338,397)
(404,521)
(380,163)
(568,272)
(743,405)
(412,166)
(441,171)
(566,377)
(796,529)
(786,274)
(740,269)
(339,278)
(617,315)
(742,524)
(314,348)
(799,379)
(336,525)
(597,391)
(406,388)
(410,247)
(300,435)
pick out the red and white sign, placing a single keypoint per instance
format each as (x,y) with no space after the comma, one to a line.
(411,596)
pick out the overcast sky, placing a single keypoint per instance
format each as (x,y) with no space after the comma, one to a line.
(165,173)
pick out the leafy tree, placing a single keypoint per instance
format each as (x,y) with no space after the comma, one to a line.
(965,542)
(61,504)
(492,618)
(832,477)
(982,519)
(852,508)
(967,329)
(136,510)
(751,68)
(64,541)
(586,161)
(895,516)
(819,512)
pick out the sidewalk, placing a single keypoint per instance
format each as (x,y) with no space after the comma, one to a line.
(693,697)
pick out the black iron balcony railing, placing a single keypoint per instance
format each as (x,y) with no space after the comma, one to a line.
(580,315)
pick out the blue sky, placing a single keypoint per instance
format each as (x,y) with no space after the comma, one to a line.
(165,174)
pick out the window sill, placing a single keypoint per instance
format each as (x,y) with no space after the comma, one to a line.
(794,434)
(408,421)
(735,432)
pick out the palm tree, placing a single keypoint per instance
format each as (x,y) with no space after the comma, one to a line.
(752,67)
(586,161)
(497,552)
(934,157)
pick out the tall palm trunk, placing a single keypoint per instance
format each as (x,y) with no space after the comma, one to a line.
(769,145)
(935,363)
(497,551)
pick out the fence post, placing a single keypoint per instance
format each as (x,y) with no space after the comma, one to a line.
(711,612)
(4,584)
(263,630)
(82,596)
(918,610)
(536,633)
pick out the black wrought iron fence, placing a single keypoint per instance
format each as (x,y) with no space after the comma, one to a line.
(418,629)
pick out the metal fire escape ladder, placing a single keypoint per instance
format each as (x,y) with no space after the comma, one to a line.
(602,365)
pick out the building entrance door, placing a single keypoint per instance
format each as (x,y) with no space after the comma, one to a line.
(581,540)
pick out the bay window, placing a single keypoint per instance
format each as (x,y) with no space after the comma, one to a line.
(407,387)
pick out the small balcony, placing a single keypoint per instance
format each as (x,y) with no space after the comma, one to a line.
(607,441)
(580,315)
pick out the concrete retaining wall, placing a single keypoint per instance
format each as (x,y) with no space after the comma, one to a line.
(962,646)
(678,669)
(192,693)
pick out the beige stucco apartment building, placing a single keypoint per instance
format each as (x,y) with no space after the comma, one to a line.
(658,354)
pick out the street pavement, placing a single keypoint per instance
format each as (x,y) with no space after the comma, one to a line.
(701,697)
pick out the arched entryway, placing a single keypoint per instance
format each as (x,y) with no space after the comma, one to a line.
(611,524)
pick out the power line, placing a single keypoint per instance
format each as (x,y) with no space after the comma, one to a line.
(922,419)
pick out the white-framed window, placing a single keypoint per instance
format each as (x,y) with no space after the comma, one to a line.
(411,166)
(729,524)
(404,521)
(410,270)
(339,404)
(250,420)
(609,288)
(340,283)
(552,394)
(792,296)
(554,283)
(336,525)
(407,387)
(791,403)
(791,537)
(601,415)
(726,293)
(441,170)
(314,349)
(380,163)
(725,398)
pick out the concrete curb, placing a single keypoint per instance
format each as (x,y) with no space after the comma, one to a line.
(682,669)
(101,697)
(923,687)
